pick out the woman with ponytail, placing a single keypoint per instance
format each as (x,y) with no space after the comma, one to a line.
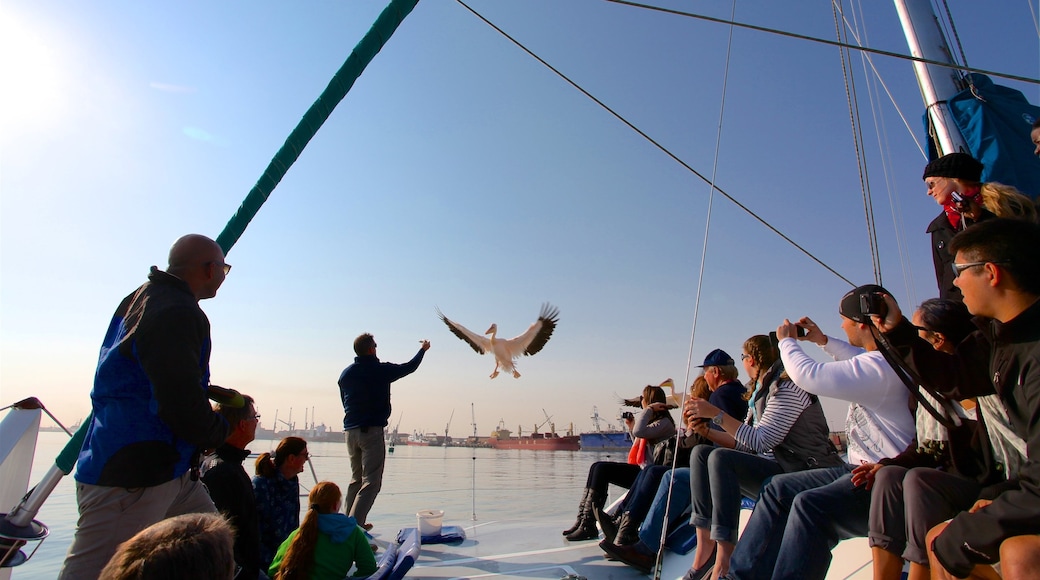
(276,488)
(326,544)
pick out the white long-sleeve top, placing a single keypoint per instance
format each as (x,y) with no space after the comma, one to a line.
(879,423)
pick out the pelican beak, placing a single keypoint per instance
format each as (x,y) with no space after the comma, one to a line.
(491,329)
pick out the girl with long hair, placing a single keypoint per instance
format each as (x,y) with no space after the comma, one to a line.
(276,488)
(326,544)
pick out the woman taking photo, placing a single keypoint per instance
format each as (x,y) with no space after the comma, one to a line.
(326,544)
(655,425)
(785,431)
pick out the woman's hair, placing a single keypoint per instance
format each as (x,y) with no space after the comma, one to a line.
(185,546)
(299,558)
(1006,201)
(762,349)
(652,394)
(947,317)
(699,389)
(267,465)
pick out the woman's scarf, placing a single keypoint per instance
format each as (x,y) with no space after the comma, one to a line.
(637,454)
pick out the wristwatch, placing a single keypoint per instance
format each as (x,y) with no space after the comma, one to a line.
(717,419)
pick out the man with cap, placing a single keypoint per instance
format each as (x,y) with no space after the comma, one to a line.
(953,181)
(720,372)
(801,516)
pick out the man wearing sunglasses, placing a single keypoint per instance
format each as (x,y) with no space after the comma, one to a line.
(150,413)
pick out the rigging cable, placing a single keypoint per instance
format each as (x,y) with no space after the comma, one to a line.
(884,149)
(857,140)
(659,559)
(942,64)
(659,146)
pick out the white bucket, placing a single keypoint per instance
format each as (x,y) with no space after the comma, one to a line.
(430,522)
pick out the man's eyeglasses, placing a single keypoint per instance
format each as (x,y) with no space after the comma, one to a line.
(960,268)
(744,356)
(225,265)
(256,416)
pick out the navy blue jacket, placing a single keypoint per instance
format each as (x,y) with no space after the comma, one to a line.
(364,389)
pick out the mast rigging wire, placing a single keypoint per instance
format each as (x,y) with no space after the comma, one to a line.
(659,146)
(857,141)
(830,42)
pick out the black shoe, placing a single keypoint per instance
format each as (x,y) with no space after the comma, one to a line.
(705,570)
(632,555)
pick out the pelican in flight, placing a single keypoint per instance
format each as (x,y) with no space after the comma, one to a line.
(506,350)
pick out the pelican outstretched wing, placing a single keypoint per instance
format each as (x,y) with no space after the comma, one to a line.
(534,339)
(481,344)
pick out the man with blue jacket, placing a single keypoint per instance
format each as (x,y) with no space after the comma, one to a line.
(364,388)
(151,417)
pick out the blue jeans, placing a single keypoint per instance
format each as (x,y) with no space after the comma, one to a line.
(798,520)
(642,492)
(718,478)
(650,529)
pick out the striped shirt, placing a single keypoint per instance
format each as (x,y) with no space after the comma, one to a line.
(785,405)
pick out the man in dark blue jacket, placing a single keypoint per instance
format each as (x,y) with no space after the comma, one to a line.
(364,388)
(151,417)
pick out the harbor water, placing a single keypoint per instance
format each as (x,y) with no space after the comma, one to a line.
(469,484)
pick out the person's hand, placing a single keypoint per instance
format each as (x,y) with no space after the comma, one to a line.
(891,319)
(700,427)
(812,331)
(863,475)
(425,344)
(659,407)
(979,505)
(787,329)
(699,408)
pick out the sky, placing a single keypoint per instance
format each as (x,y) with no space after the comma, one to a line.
(460,174)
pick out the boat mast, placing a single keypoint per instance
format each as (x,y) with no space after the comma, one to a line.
(938,84)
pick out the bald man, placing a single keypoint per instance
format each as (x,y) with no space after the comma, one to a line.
(151,417)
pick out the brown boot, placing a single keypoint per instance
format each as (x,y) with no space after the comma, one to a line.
(582,508)
(635,555)
(627,530)
(607,524)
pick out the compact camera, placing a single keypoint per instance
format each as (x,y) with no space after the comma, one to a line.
(627,415)
(872,304)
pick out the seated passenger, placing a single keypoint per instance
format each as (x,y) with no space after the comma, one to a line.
(276,488)
(326,544)
(187,546)
(909,495)
(997,269)
(800,517)
(655,425)
(623,527)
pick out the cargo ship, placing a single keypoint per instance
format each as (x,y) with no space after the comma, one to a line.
(501,438)
(605,439)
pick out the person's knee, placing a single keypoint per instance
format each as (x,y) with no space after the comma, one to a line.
(1020,557)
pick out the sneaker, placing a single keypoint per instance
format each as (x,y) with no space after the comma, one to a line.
(705,570)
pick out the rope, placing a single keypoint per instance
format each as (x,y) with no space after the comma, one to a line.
(775,31)
(857,139)
(660,147)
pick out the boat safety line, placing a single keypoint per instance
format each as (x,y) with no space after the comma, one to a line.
(567,570)
(497,557)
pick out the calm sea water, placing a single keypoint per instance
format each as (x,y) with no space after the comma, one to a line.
(485,484)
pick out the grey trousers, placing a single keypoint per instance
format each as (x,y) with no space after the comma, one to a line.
(109,516)
(367,452)
(906,503)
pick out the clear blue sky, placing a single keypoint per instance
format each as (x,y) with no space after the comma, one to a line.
(458,173)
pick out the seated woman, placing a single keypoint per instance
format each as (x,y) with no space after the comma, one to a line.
(939,474)
(326,544)
(785,431)
(276,488)
(623,529)
(655,425)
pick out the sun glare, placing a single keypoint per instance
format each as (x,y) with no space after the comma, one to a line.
(31,76)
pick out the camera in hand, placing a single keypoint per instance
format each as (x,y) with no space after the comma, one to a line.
(627,415)
(873,304)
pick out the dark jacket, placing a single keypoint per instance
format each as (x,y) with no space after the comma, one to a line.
(150,411)
(232,492)
(1001,358)
(364,389)
(942,232)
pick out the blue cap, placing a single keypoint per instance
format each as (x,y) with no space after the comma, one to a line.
(717,358)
